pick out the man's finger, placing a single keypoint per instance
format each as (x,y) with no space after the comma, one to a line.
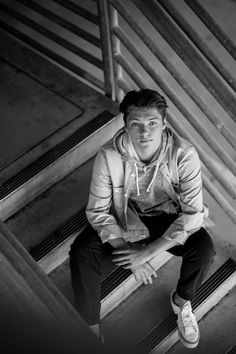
(121,263)
(127,266)
(136,276)
(144,279)
(151,269)
(146,276)
(121,251)
(120,258)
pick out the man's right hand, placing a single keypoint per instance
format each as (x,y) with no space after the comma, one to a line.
(144,272)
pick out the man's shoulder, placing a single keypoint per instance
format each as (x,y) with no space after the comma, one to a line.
(109,151)
(180,144)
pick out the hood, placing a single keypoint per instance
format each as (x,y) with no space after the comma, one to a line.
(123,144)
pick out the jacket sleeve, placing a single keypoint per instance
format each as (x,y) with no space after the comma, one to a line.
(190,197)
(100,201)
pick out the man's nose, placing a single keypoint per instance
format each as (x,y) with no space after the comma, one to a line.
(144,130)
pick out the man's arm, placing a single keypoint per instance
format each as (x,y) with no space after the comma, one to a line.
(138,255)
(190,197)
(100,200)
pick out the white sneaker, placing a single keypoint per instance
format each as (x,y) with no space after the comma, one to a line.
(187,324)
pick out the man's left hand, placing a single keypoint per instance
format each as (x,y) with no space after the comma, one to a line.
(131,257)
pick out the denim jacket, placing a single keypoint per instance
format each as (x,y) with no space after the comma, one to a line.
(108,210)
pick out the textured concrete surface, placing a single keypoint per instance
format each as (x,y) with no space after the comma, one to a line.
(29,113)
(63,90)
(40,218)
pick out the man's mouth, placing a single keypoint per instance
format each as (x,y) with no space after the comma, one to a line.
(145,140)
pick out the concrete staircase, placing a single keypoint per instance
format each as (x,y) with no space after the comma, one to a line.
(44,188)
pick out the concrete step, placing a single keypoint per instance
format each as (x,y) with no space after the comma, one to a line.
(165,335)
(147,313)
(34,223)
(217,329)
(30,81)
(145,322)
(57,163)
(48,225)
(60,136)
(117,284)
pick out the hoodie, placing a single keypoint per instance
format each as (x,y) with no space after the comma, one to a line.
(147,194)
(116,188)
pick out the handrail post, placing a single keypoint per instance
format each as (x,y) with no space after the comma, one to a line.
(118,71)
(105,35)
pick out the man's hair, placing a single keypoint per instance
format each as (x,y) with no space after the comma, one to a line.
(143,98)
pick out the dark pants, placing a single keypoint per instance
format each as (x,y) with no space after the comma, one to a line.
(88,253)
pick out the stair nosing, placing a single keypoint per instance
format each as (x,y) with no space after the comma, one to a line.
(54,153)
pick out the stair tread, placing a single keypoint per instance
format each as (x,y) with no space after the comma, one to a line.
(67,93)
(41,217)
(146,316)
(136,316)
(215,338)
(21,97)
(139,313)
(55,153)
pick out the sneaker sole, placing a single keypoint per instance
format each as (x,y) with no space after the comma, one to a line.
(187,344)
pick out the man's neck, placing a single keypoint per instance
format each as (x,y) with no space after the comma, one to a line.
(147,156)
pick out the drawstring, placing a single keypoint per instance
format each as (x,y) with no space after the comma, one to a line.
(153,178)
(137,186)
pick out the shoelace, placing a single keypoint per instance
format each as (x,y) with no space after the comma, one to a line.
(188,317)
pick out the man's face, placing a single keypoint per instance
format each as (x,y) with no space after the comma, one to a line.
(145,126)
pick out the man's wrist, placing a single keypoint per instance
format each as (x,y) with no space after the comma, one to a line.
(118,243)
(151,251)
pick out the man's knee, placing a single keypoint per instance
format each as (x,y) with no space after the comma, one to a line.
(87,239)
(205,247)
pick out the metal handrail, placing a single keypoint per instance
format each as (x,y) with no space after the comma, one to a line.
(191,57)
(199,43)
(220,126)
(213,26)
(109,85)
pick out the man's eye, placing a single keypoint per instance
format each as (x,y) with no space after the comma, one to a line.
(153,124)
(134,125)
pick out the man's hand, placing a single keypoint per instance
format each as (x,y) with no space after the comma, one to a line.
(144,273)
(132,256)
(135,258)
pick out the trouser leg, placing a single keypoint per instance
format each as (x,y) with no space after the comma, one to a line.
(86,257)
(198,253)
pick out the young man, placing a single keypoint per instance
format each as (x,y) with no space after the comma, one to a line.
(138,209)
